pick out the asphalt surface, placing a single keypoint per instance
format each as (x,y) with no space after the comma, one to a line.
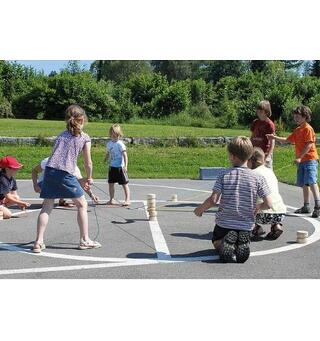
(177,245)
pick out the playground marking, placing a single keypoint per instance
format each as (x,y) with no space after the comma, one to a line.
(158,238)
(163,253)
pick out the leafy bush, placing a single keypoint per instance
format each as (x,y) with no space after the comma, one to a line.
(314,105)
(5,108)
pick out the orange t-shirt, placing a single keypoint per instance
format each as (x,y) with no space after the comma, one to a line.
(300,136)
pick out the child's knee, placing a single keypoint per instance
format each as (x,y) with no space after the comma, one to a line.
(81,204)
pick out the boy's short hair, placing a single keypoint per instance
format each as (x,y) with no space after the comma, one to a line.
(241,147)
(303,111)
(257,157)
(115,129)
(265,106)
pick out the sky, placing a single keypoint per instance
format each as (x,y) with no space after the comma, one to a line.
(51,65)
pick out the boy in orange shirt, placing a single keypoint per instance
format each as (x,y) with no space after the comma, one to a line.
(307,158)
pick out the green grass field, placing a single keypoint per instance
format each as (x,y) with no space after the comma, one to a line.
(156,162)
(13,127)
(144,161)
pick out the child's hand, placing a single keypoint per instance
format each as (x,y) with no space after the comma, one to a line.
(297,161)
(198,211)
(270,137)
(95,198)
(125,169)
(24,205)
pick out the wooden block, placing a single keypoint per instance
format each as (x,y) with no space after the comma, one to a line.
(174,197)
(302,234)
(301,240)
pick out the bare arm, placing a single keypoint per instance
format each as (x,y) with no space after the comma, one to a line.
(272,143)
(34,174)
(208,203)
(304,151)
(267,203)
(87,161)
(277,138)
(13,198)
(125,157)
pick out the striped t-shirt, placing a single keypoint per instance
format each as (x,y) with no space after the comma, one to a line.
(239,187)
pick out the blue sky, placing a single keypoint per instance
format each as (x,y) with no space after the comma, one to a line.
(51,65)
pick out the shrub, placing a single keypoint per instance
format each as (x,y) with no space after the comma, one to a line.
(5,108)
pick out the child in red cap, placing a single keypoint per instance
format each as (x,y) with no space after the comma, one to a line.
(8,186)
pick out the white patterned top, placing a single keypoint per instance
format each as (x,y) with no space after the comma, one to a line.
(66,151)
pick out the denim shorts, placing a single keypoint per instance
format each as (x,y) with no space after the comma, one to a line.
(307,173)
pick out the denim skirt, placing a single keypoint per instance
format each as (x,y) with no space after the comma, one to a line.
(59,184)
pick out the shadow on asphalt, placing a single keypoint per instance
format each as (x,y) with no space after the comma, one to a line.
(205,236)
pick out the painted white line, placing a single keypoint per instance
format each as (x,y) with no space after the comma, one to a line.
(157,236)
(134,262)
(16,214)
(162,249)
(172,187)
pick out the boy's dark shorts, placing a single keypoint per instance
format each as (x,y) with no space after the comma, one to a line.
(219,232)
(117,175)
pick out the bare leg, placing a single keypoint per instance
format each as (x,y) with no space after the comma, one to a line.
(6,213)
(315,191)
(306,194)
(111,193)
(82,217)
(43,219)
(126,194)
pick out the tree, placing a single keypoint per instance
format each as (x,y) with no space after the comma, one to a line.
(173,69)
(214,70)
(118,70)
(257,65)
(73,67)
(292,64)
(315,68)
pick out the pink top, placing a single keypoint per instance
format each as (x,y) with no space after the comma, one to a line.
(66,150)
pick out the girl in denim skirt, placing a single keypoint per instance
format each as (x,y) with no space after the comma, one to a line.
(59,181)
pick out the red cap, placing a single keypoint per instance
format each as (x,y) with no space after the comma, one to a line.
(10,162)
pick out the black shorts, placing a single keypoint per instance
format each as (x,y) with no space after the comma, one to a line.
(219,232)
(117,175)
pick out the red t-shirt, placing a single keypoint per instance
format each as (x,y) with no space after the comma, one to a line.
(259,130)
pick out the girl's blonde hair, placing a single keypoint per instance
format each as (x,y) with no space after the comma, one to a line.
(75,118)
(265,106)
(115,130)
(257,158)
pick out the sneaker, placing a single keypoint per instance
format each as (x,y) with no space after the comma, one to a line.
(242,248)
(303,210)
(316,212)
(88,244)
(227,250)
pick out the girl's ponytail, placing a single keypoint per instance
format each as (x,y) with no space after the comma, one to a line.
(75,118)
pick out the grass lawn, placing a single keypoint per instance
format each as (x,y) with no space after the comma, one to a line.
(13,127)
(156,162)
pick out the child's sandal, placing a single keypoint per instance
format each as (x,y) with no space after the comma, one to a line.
(38,247)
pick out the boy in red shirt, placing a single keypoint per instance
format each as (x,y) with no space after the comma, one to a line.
(307,159)
(262,126)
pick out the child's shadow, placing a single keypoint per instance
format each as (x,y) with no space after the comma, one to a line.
(205,236)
